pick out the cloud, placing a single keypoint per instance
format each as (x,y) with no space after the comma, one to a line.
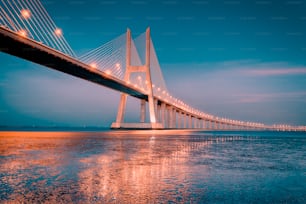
(276,71)
(230,89)
(268,97)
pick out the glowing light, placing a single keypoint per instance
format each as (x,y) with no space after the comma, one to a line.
(108,72)
(58,32)
(139,77)
(22,33)
(117,65)
(93,65)
(25,13)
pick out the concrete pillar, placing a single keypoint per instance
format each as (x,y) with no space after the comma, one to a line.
(155,108)
(179,114)
(142,111)
(163,114)
(190,122)
(148,78)
(158,113)
(173,118)
(168,116)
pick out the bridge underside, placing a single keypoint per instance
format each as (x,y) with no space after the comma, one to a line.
(25,48)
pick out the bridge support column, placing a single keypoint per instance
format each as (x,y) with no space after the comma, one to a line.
(153,124)
(163,114)
(174,118)
(142,111)
(167,117)
(180,122)
(158,113)
(190,122)
(171,117)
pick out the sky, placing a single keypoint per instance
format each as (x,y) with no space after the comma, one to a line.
(243,60)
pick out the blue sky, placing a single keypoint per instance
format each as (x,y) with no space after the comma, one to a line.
(239,59)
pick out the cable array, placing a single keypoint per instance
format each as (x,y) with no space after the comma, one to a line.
(30,19)
(139,78)
(109,57)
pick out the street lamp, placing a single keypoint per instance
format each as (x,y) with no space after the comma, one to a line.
(58,32)
(25,13)
(93,65)
(22,33)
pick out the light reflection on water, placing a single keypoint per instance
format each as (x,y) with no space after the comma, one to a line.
(152,167)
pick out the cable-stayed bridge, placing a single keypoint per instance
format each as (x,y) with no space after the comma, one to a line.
(124,64)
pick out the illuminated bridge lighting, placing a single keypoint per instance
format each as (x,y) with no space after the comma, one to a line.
(25,13)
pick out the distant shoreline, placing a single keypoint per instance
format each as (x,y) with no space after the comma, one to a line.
(53,128)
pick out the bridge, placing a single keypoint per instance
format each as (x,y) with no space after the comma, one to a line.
(28,32)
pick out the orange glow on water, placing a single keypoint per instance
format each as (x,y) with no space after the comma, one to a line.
(109,166)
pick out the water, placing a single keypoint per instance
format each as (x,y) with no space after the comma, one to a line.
(152,167)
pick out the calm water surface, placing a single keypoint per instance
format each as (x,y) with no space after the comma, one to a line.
(152,167)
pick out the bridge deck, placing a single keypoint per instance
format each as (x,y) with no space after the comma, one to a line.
(31,50)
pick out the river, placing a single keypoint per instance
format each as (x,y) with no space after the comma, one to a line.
(152,167)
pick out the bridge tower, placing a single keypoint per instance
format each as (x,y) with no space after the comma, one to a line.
(153,124)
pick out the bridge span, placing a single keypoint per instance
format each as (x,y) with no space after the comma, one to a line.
(41,42)
(165,113)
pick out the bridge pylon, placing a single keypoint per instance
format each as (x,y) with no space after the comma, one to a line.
(152,124)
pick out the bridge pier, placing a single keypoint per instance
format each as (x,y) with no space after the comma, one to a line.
(153,124)
(190,122)
(163,115)
(179,118)
(142,111)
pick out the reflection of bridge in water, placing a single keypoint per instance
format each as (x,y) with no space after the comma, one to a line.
(123,64)
(135,167)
